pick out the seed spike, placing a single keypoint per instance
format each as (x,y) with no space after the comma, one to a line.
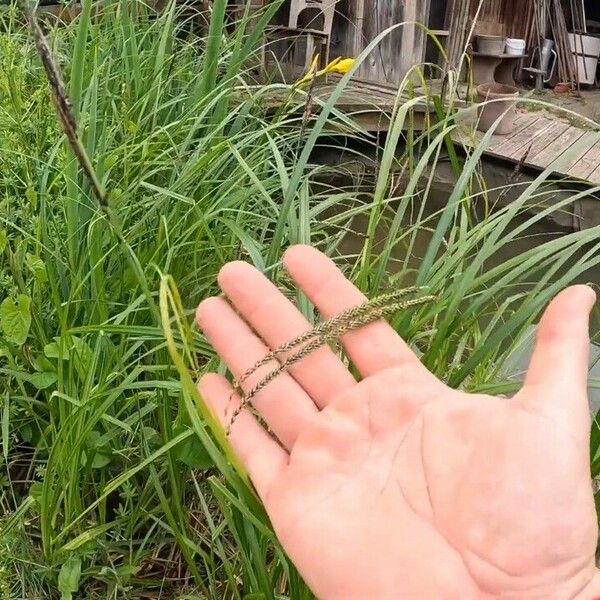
(325,333)
(321,330)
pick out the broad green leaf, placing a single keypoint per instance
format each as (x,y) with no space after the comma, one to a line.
(37,267)
(43,380)
(15,319)
(36,492)
(152,437)
(102,454)
(26,433)
(42,364)
(150,433)
(68,578)
(101,460)
(191,452)
(63,350)
(94,439)
(52,350)
(3,240)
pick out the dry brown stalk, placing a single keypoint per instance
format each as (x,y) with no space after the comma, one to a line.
(64,108)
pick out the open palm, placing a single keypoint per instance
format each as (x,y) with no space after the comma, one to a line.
(398,486)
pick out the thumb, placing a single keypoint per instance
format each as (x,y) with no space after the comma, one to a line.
(556,382)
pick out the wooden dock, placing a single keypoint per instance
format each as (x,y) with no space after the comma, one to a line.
(539,139)
(370,105)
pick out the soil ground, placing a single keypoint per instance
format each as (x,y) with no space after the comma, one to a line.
(587,104)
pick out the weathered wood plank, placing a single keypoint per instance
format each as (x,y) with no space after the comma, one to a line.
(595,176)
(412,48)
(588,163)
(592,158)
(522,122)
(468,137)
(548,138)
(514,143)
(359,23)
(562,143)
(541,138)
(399,50)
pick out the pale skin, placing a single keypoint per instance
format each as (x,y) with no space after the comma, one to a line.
(397,486)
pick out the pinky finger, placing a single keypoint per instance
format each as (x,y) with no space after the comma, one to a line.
(261,455)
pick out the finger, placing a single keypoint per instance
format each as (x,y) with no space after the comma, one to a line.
(371,348)
(322,374)
(262,457)
(556,382)
(284,405)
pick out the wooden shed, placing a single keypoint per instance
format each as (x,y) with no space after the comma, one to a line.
(358,22)
(346,27)
(352,25)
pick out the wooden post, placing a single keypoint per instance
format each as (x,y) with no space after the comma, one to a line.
(359,25)
(401,49)
(460,25)
(412,48)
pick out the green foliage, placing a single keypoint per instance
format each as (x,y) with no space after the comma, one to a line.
(116,485)
(91,404)
(15,319)
(68,578)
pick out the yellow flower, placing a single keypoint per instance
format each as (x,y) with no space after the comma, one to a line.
(330,68)
(341,67)
(337,65)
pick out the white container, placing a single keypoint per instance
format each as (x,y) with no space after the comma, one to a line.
(586,50)
(515,46)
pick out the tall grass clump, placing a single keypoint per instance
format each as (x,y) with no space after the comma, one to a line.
(102,487)
(116,483)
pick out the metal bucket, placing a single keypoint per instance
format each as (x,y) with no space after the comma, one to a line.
(491,44)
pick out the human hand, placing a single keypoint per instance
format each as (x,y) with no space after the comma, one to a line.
(398,486)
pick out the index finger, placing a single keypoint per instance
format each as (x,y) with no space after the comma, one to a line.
(371,348)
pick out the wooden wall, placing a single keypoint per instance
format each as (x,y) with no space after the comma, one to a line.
(499,17)
(358,22)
